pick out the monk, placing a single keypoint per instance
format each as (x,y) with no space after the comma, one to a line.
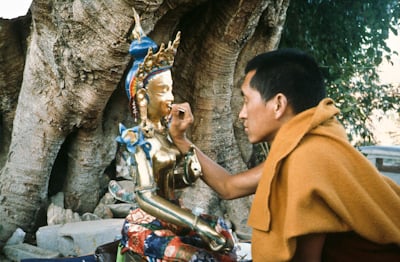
(316,197)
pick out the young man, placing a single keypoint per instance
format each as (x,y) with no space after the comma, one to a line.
(316,197)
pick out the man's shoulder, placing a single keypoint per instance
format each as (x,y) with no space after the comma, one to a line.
(317,146)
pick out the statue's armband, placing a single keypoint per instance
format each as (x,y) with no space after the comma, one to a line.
(192,167)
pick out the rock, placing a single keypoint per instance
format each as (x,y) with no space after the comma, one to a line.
(23,251)
(17,237)
(58,215)
(58,199)
(79,238)
(121,210)
(90,217)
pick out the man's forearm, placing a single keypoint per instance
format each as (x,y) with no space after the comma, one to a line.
(213,174)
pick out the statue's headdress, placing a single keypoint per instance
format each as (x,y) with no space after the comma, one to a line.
(147,63)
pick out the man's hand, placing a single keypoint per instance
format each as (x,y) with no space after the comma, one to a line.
(181,119)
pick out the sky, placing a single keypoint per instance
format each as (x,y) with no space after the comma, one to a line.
(14,8)
(391,73)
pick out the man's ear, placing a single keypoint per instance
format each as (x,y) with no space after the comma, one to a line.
(280,105)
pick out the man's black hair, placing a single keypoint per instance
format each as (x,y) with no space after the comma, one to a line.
(290,72)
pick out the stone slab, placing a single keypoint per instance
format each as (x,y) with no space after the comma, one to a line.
(24,251)
(79,238)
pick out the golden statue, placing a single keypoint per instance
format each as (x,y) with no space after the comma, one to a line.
(153,158)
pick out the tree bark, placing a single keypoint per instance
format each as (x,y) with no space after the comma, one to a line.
(13,34)
(71,98)
(216,44)
(74,62)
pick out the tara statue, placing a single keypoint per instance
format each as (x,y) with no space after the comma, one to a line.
(160,225)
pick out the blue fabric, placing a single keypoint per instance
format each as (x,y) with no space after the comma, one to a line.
(138,49)
(131,145)
(156,245)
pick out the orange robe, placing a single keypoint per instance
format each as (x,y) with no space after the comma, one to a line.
(314,181)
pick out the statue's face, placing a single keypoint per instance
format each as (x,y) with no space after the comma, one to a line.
(159,91)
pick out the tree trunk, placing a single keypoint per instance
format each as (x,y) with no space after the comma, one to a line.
(13,36)
(214,45)
(71,100)
(74,62)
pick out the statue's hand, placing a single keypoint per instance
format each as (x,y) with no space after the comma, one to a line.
(131,135)
(218,238)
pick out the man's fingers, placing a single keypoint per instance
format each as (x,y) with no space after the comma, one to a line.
(181,112)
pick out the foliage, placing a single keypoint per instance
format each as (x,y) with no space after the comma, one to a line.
(348,40)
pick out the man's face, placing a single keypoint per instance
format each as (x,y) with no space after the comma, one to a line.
(259,118)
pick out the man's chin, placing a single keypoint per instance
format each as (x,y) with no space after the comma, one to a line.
(251,140)
(254,140)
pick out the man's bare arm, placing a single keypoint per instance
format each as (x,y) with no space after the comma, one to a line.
(309,248)
(228,186)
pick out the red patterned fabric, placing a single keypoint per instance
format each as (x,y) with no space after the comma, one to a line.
(161,241)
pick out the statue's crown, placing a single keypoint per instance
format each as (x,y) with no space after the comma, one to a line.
(147,63)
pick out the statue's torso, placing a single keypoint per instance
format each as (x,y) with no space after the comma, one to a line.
(160,172)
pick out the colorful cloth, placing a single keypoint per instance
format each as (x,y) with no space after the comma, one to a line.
(161,241)
(88,258)
(314,181)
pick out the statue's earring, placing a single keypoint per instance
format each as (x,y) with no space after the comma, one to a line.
(142,101)
(133,109)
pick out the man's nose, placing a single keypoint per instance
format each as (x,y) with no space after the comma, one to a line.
(242,113)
